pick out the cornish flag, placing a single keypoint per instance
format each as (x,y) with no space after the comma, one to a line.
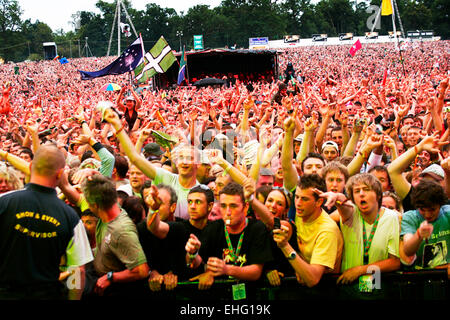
(157,60)
(355,48)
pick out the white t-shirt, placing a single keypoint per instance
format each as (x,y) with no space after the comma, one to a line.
(385,240)
(78,251)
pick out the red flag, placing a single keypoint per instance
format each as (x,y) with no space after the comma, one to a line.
(355,48)
(385,77)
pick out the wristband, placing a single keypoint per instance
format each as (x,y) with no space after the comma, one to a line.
(340,203)
(225,172)
(152,217)
(118,131)
(193,256)
(415,149)
(82,122)
(6,155)
(251,198)
(191,259)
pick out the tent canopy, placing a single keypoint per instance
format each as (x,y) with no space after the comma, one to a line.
(217,63)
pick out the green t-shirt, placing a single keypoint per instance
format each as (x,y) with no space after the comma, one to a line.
(436,251)
(118,247)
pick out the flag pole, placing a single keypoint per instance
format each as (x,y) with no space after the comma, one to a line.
(187,71)
(396,38)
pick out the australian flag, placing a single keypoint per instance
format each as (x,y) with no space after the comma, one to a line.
(127,62)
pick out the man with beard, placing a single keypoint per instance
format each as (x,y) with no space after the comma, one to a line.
(137,180)
(176,234)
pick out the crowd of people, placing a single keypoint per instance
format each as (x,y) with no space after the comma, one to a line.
(339,165)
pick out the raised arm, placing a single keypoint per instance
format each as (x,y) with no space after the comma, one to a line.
(399,165)
(143,164)
(287,154)
(137,98)
(215,156)
(154,224)
(260,209)
(374,141)
(16,162)
(120,98)
(351,146)
(308,139)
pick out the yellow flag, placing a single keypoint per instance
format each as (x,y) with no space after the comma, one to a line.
(386,8)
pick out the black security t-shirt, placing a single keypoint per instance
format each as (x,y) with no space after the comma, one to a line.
(35,230)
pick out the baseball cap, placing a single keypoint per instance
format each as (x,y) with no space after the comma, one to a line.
(299,137)
(435,171)
(153,150)
(126,188)
(204,157)
(330,143)
(266,172)
(90,163)
(251,152)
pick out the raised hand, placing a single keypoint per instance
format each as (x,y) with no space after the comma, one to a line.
(249,187)
(289,124)
(82,139)
(311,124)
(113,118)
(431,143)
(248,103)
(214,155)
(374,141)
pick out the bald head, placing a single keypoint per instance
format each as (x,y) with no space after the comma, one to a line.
(47,161)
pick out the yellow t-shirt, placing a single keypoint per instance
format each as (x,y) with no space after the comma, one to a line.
(320,242)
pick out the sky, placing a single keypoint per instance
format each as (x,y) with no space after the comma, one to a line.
(58,14)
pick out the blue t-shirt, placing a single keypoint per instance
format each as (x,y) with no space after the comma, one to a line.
(436,251)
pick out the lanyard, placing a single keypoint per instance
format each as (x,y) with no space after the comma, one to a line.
(234,255)
(368,242)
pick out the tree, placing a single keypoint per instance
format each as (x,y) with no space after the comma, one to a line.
(10,13)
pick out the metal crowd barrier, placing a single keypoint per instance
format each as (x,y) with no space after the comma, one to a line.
(400,285)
